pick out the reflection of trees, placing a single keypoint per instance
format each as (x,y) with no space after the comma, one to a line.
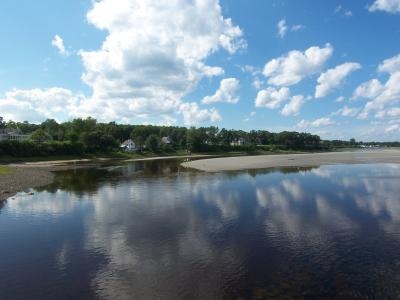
(90,180)
(2,203)
(80,181)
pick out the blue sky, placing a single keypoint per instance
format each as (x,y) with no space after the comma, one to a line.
(326,67)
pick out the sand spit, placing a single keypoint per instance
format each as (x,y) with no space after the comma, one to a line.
(294,160)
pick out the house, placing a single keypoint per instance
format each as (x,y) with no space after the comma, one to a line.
(238,142)
(165,140)
(128,145)
(12,134)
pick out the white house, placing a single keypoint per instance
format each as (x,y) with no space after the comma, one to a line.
(128,145)
(238,142)
(165,140)
(11,134)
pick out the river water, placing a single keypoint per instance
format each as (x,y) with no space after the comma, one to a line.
(153,230)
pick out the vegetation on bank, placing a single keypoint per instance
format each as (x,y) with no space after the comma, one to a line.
(87,138)
(4,170)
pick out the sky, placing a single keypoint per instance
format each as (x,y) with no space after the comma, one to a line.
(327,67)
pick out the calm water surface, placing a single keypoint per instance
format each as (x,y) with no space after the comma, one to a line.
(152,230)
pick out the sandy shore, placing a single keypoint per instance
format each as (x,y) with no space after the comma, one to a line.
(20,179)
(34,174)
(294,160)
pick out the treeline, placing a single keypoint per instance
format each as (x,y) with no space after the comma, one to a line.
(86,136)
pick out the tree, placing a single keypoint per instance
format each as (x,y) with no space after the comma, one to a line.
(2,123)
(51,127)
(40,136)
(152,142)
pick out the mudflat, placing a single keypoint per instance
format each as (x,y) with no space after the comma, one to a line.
(295,160)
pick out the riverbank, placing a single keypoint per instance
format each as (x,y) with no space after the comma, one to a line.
(294,160)
(17,177)
(20,179)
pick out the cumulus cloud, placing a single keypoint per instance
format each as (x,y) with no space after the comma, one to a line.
(293,107)
(346,111)
(316,123)
(390,6)
(369,89)
(381,96)
(58,42)
(333,78)
(227,92)
(193,115)
(390,65)
(271,97)
(154,54)
(36,105)
(290,69)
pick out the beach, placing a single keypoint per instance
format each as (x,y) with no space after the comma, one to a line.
(294,160)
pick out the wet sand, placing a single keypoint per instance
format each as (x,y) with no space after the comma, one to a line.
(294,160)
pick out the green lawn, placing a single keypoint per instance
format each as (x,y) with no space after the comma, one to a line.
(5,170)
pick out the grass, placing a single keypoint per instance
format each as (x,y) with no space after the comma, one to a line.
(4,170)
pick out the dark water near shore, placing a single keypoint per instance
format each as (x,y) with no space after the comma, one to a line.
(152,230)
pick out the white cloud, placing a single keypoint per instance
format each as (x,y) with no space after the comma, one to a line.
(390,65)
(272,98)
(381,96)
(348,13)
(59,44)
(369,89)
(340,99)
(316,123)
(257,83)
(294,106)
(297,27)
(333,78)
(392,128)
(390,6)
(394,112)
(282,28)
(38,104)
(347,111)
(227,92)
(341,10)
(153,55)
(193,115)
(296,65)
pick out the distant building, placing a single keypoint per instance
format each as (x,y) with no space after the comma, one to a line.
(128,145)
(11,134)
(238,142)
(165,140)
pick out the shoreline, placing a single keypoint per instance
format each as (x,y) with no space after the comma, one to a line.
(20,179)
(35,174)
(293,160)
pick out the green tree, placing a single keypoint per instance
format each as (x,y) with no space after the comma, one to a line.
(2,123)
(40,136)
(152,142)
